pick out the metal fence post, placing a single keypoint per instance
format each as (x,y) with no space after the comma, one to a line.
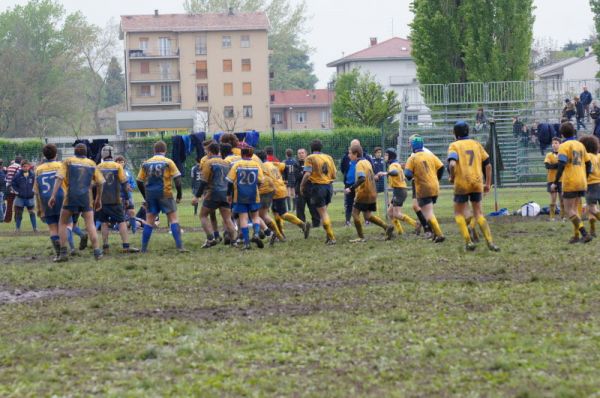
(385,179)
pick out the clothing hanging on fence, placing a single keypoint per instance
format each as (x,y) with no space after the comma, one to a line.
(196,140)
(178,153)
(96,149)
(187,143)
(497,164)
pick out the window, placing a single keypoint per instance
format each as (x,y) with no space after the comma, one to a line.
(324,116)
(228,89)
(146,91)
(201,45)
(246,65)
(144,67)
(164,45)
(227,65)
(202,92)
(228,112)
(247,88)
(247,111)
(166,94)
(165,70)
(201,72)
(143,43)
(300,117)
(277,118)
(245,41)
(226,42)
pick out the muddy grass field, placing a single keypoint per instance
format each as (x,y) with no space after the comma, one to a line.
(401,318)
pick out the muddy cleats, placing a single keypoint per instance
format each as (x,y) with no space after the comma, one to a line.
(131,250)
(258,241)
(209,243)
(246,246)
(389,232)
(586,239)
(418,229)
(330,242)
(98,254)
(439,239)
(262,235)
(573,240)
(105,248)
(470,247)
(493,247)
(272,240)
(182,250)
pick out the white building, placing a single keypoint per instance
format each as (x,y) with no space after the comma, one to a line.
(572,68)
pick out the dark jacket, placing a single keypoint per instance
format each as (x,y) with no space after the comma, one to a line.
(2,181)
(586,98)
(23,185)
(580,110)
(379,165)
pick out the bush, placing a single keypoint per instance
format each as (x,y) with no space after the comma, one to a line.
(30,150)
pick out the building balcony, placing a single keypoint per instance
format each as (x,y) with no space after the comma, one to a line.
(175,100)
(159,77)
(153,53)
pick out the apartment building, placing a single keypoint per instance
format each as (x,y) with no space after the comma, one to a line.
(215,63)
(301,109)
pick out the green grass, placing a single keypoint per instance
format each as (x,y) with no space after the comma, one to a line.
(401,318)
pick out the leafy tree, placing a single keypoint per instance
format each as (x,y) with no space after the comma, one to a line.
(115,84)
(360,101)
(472,40)
(289,61)
(595,5)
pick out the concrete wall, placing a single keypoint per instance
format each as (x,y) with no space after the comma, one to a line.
(584,69)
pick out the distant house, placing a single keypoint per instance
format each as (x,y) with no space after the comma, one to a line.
(389,62)
(301,109)
(572,68)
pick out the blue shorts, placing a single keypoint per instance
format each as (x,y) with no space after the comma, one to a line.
(22,202)
(111,214)
(245,207)
(51,220)
(157,205)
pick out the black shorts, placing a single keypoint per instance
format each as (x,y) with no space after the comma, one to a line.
(290,183)
(266,199)
(399,197)
(558,187)
(320,195)
(214,204)
(573,195)
(468,197)
(279,206)
(592,196)
(425,201)
(111,214)
(365,206)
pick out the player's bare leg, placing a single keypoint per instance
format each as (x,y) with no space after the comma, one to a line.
(65,219)
(207,226)
(90,227)
(433,222)
(269,222)
(553,197)
(571,210)
(228,222)
(358,225)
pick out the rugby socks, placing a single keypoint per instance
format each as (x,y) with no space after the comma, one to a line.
(423,221)
(176,232)
(552,211)
(289,217)
(462,227)
(146,235)
(55,243)
(485,228)
(256,227)
(246,235)
(328,229)
(133,223)
(216,234)
(578,225)
(579,208)
(126,246)
(279,222)
(77,231)
(70,238)
(435,226)
(33,221)
(359,229)
(18,219)
(378,221)
(273,227)
(408,220)
(398,226)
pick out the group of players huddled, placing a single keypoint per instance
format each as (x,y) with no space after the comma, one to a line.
(243,186)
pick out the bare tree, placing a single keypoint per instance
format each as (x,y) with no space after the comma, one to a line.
(225,122)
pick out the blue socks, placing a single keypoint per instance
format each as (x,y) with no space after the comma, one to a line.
(216,234)
(18,219)
(133,223)
(77,231)
(70,238)
(256,227)
(146,234)
(246,235)
(176,232)
(33,221)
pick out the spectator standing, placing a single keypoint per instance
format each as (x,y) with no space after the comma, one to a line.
(378,167)
(271,154)
(517,126)
(595,115)
(579,112)
(22,185)
(586,99)
(568,110)
(2,191)
(10,194)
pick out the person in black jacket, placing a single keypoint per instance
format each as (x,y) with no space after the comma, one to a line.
(579,112)
(22,184)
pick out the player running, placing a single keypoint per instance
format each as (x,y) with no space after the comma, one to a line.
(155,181)
(466,161)
(78,175)
(551,163)
(364,191)
(317,182)
(592,196)
(574,165)
(427,170)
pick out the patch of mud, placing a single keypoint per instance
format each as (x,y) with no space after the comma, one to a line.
(15,296)
(301,287)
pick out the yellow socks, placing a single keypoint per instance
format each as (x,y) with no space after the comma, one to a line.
(462,227)
(435,226)
(289,217)
(273,226)
(398,226)
(378,221)
(408,220)
(552,211)
(359,229)
(328,229)
(279,222)
(485,229)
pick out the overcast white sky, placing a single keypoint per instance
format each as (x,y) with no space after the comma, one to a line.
(345,26)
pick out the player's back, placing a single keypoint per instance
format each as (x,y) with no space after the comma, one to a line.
(246,175)
(267,186)
(468,172)
(274,171)
(594,177)
(398,180)
(367,191)
(291,165)
(45,178)
(574,155)
(214,173)
(157,174)
(424,167)
(79,174)
(114,177)
(321,167)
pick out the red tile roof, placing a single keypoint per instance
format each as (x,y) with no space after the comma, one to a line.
(394,48)
(301,98)
(194,22)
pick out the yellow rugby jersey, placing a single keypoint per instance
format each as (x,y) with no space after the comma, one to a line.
(45,177)
(367,191)
(267,185)
(468,171)
(551,158)
(157,174)
(573,154)
(594,177)
(397,181)
(321,167)
(232,159)
(114,175)
(246,175)
(274,170)
(424,166)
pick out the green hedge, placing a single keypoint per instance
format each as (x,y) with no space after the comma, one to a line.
(31,150)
